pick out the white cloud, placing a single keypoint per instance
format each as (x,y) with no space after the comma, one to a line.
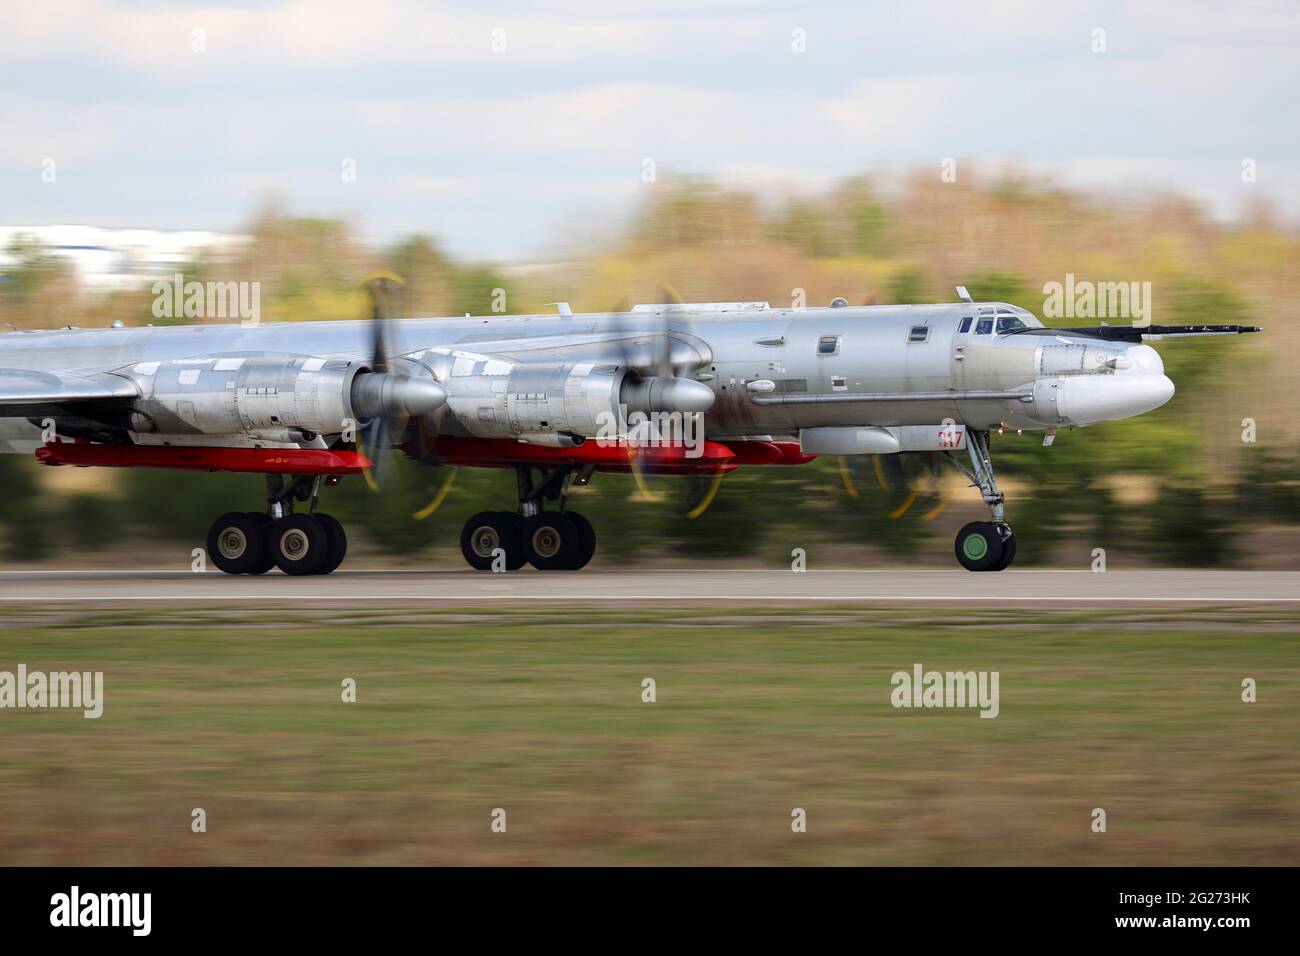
(139,123)
(338,33)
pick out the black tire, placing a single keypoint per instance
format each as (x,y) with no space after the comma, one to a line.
(551,541)
(268,560)
(236,542)
(487,531)
(337,542)
(978,546)
(514,557)
(299,544)
(586,540)
(1008,553)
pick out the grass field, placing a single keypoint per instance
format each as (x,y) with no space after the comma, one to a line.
(540,713)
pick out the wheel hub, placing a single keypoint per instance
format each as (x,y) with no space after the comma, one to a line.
(546,542)
(486,540)
(232,543)
(294,544)
(975,546)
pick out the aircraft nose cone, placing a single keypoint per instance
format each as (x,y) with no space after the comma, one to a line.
(1085,400)
(686,395)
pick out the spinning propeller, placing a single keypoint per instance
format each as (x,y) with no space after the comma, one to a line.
(657,363)
(907,479)
(384,397)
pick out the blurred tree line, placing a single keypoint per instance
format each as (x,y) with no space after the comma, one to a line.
(1176,486)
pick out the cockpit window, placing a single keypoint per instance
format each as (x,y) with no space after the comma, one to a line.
(983,326)
(1009,323)
(965,325)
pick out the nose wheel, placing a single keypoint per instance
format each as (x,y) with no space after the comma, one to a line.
(984,545)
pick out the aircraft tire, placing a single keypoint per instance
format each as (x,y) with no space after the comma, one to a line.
(267,561)
(487,531)
(338,542)
(551,541)
(299,543)
(979,546)
(1008,553)
(514,558)
(236,543)
(586,540)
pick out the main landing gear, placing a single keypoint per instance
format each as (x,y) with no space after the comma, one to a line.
(248,542)
(984,545)
(548,540)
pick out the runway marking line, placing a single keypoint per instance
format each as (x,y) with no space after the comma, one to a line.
(657,598)
(177,572)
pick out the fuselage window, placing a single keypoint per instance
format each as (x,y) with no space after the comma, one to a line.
(983,326)
(965,325)
(828,345)
(919,333)
(1007,324)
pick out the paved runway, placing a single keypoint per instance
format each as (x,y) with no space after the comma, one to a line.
(897,588)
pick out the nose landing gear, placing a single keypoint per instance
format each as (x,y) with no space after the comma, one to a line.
(309,542)
(984,545)
(549,541)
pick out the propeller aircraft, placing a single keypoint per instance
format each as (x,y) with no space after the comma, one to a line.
(673,388)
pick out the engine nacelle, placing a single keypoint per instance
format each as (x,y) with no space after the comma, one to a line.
(495,399)
(259,396)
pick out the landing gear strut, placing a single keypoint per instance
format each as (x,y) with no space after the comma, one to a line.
(309,542)
(549,541)
(984,545)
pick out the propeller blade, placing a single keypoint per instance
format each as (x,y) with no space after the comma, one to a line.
(381,287)
(656,379)
(376,442)
(384,396)
(426,436)
(378,346)
(668,294)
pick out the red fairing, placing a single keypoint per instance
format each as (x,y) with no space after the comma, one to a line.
(285,461)
(769,453)
(709,458)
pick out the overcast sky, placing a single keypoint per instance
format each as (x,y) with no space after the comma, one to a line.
(502,153)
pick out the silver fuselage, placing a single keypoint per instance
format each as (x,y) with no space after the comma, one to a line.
(773,371)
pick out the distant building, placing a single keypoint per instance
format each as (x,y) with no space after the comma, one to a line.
(110,259)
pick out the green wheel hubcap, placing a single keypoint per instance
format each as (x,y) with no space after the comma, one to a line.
(975,546)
